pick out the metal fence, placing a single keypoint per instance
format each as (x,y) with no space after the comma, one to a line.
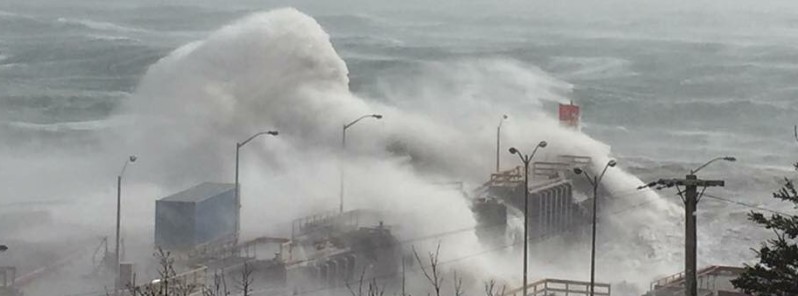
(552,287)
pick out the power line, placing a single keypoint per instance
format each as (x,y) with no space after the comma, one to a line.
(746,205)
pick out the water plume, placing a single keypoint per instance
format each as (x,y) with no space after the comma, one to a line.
(279,70)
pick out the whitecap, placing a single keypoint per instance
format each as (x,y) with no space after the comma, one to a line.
(98,25)
(7,14)
(90,125)
(113,38)
(593,67)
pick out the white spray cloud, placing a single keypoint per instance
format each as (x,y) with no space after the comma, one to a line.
(279,70)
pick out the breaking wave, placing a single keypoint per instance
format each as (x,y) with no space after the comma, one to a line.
(279,70)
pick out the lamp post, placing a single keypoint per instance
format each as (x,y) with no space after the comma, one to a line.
(238,194)
(3,248)
(498,140)
(526,159)
(343,149)
(595,181)
(130,159)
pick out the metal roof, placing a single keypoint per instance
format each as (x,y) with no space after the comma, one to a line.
(200,192)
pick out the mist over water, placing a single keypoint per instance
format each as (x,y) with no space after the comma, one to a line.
(160,86)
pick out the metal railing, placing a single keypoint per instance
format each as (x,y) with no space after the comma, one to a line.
(546,287)
(706,280)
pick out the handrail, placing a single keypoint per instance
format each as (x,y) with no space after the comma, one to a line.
(676,279)
(570,287)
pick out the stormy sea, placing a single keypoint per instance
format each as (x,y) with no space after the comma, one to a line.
(663,86)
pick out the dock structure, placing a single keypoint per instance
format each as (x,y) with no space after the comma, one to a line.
(552,207)
(331,249)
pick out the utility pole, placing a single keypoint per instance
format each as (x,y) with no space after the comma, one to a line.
(690,197)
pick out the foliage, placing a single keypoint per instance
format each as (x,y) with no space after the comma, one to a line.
(168,284)
(776,273)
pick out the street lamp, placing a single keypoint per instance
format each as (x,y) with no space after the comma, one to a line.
(526,159)
(238,194)
(498,140)
(3,248)
(726,158)
(343,149)
(595,181)
(130,159)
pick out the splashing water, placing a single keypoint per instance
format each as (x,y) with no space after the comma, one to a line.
(279,70)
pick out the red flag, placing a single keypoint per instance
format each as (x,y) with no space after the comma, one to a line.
(569,115)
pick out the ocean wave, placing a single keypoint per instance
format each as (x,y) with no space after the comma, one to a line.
(359,19)
(91,125)
(590,68)
(98,25)
(113,38)
(8,14)
(12,65)
(736,104)
(367,40)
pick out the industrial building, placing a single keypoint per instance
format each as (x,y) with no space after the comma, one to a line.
(204,214)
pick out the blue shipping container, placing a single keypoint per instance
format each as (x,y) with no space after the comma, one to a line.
(206,213)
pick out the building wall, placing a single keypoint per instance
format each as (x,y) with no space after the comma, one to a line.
(216,218)
(174,224)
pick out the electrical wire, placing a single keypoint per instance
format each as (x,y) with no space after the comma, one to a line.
(746,205)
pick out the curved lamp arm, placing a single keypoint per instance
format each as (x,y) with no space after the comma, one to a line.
(726,158)
(377,116)
(609,164)
(130,159)
(273,133)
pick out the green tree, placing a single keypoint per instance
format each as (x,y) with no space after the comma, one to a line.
(776,273)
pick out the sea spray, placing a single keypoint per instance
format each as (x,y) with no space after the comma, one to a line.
(279,70)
